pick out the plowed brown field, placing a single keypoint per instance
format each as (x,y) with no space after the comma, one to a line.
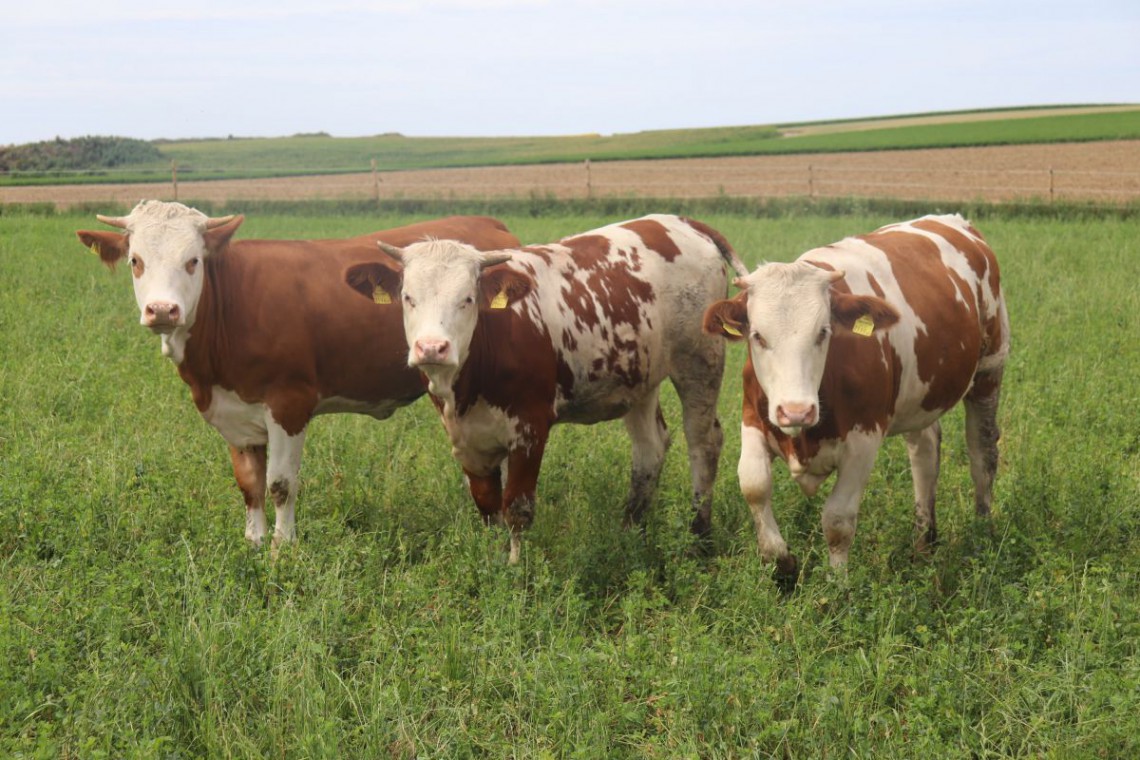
(1107,172)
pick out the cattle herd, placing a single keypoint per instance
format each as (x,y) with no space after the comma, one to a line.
(875,335)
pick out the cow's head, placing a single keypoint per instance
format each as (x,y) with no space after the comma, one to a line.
(787,313)
(166,245)
(443,286)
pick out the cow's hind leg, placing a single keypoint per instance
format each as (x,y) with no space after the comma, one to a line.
(982,434)
(924,448)
(249,471)
(697,378)
(650,438)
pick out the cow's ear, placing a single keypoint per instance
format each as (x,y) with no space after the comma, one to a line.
(217,238)
(375,280)
(862,315)
(108,246)
(500,286)
(728,318)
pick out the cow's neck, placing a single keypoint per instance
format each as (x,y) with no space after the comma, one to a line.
(200,347)
(174,344)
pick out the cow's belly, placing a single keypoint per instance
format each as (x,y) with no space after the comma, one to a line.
(242,424)
(340,405)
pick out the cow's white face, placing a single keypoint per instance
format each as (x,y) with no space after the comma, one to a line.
(165,245)
(789,331)
(442,286)
(787,313)
(166,260)
(440,299)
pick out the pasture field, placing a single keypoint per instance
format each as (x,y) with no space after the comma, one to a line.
(135,622)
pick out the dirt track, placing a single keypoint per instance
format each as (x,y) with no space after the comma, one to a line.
(1106,172)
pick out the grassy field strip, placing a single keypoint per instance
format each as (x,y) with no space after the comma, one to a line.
(136,623)
(252,158)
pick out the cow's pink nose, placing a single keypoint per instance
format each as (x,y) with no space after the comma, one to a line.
(162,314)
(431,351)
(796,415)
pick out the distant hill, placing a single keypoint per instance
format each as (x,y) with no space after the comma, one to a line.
(79,154)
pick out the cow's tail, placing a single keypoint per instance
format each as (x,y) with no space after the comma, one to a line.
(726,250)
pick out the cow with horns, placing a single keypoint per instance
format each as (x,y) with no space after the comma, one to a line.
(259,331)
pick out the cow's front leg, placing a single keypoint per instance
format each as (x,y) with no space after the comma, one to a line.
(841,510)
(755,474)
(523,464)
(487,491)
(283,470)
(249,470)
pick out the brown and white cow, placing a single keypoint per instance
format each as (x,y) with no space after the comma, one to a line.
(260,331)
(872,336)
(583,330)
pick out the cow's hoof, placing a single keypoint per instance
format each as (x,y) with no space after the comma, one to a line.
(787,573)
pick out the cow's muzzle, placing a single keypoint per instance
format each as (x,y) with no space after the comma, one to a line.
(430,351)
(162,316)
(796,415)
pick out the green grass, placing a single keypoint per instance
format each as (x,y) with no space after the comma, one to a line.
(313,154)
(134,622)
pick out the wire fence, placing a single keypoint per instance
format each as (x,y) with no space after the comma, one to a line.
(872,176)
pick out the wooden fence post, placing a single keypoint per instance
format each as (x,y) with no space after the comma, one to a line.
(589,184)
(1050,184)
(375,183)
(174,177)
(811,181)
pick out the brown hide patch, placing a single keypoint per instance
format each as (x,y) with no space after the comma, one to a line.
(512,365)
(947,348)
(655,237)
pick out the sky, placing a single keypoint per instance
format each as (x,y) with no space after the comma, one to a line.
(267,68)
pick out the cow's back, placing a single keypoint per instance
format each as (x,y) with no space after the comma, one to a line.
(618,303)
(943,279)
(277,314)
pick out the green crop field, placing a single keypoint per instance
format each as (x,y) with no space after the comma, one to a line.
(135,622)
(321,154)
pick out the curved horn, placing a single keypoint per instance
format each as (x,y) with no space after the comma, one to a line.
(221,220)
(835,275)
(114,221)
(740,283)
(491,259)
(391,250)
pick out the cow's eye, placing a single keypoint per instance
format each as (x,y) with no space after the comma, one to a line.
(192,265)
(411,304)
(759,340)
(137,266)
(468,301)
(823,333)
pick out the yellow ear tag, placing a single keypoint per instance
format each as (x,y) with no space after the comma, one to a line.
(381,296)
(864,326)
(731,330)
(500,300)
(95,249)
